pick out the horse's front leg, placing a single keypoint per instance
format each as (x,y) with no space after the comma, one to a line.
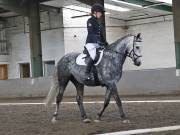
(106,103)
(114,91)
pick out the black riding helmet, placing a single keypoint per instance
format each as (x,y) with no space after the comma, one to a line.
(97,8)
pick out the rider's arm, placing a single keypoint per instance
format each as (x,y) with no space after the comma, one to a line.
(91,38)
(90,26)
(103,38)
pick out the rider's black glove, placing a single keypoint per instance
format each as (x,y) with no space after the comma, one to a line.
(106,44)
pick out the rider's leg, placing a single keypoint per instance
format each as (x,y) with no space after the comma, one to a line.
(91,48)
(89,66)
(92,52)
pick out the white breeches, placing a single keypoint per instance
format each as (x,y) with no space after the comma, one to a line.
(91,47)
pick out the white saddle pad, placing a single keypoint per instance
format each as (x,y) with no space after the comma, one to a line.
(80,60)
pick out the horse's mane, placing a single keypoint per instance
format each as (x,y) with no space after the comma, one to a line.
(118,41)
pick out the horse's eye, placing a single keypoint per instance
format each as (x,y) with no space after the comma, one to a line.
(137,47)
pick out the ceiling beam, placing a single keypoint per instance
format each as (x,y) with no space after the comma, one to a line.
(49,8)
(40,1)
(18,6)
(89,2)
(142,18)
(2,19)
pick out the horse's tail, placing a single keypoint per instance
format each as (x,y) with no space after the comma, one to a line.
(54,89)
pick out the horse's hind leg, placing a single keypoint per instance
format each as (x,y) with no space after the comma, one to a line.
(62,86)
(79,98)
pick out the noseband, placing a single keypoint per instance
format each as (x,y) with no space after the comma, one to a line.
(132,51)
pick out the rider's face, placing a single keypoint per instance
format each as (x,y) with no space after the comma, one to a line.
(98,14)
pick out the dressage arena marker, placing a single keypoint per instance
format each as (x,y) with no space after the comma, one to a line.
(141,131)
(96,102)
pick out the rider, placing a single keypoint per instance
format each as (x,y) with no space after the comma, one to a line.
(95,37)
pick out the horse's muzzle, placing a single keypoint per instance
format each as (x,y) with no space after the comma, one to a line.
(137,62)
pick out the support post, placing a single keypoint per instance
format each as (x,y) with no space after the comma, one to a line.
(35,39)
(176,19)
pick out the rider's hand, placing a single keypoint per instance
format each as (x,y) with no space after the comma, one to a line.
(106,44)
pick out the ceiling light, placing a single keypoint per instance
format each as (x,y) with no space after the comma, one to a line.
(116,8)
(127,3)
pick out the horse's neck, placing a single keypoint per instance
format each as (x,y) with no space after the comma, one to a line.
(122,45)
(118,48)
(117,52)
(115,57)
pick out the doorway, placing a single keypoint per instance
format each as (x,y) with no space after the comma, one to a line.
(24,70)
(3,72)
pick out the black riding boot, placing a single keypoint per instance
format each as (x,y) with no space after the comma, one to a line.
(88,69)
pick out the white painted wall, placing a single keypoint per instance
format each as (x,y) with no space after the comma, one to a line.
(141,83)
(4,59)
(62,34)
(20,53)
(52,41)
(52,44)
(158,38)
(158,47)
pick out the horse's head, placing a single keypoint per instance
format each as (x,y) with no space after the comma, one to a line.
(134,49)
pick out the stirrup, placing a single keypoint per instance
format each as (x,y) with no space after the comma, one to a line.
(87,77)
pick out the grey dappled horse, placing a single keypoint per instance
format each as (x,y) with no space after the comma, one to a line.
(109,72)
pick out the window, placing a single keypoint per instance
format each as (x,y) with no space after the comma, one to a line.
(24,70)
(49,68)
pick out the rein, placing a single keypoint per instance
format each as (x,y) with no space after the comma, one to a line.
(115,51)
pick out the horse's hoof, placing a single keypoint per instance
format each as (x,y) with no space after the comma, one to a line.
(53,120)
(126,121)
(86,120)
(97,121)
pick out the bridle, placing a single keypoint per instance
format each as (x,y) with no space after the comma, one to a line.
(134,56)
(132,51)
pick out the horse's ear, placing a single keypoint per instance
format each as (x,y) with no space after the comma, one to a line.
(138,36)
